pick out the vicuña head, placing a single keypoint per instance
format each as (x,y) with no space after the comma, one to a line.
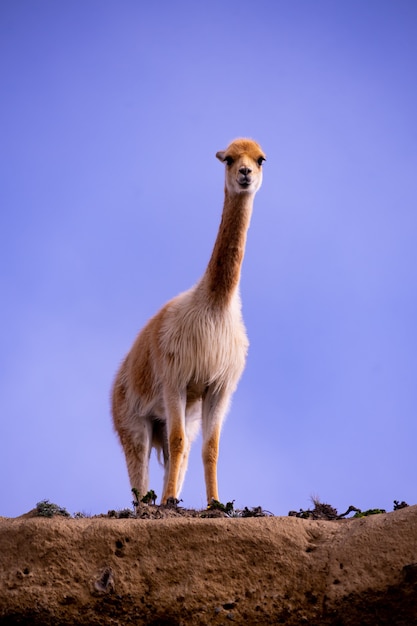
(243,158)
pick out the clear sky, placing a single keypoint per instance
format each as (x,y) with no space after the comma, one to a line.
(110,196)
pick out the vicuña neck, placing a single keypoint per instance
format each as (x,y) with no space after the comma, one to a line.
(222,276)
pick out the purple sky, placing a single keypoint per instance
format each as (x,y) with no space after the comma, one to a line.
(110,195)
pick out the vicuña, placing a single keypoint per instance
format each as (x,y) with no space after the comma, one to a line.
(185,364)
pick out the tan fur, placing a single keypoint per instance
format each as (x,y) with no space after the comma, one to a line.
(186,362)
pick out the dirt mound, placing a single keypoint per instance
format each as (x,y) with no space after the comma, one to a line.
(181,570)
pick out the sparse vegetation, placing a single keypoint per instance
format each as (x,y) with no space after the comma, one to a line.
(328,512)
(146,508)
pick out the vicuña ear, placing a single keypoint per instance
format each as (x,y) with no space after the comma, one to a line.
(220,155)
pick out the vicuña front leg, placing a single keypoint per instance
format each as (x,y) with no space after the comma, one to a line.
(177,443)
(215,406)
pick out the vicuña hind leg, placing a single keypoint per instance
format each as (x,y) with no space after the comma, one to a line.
(137,448)
(215,406)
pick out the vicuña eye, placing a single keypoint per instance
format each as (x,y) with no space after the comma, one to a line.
(229,160)
(261,160)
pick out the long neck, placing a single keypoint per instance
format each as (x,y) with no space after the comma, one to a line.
(222,276)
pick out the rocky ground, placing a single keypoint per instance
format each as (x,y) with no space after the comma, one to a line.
(176,568)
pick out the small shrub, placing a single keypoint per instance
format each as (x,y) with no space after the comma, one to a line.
(150,497)
(256,511)
(369,512)
(125,513)
(48,509)
(227,508)
(136,497)
(399,505)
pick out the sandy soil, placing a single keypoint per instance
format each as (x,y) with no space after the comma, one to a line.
(182,570)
